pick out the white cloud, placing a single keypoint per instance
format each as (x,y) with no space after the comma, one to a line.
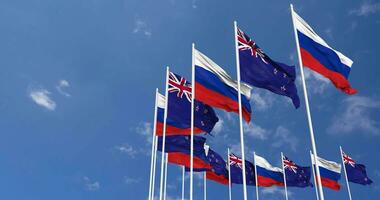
(284,138)
(275,191)
(356,116)
(262,99)
(194,4)
(41,97)
(218,127)
(315,82)
(366,8)
(145,129)
(91,185)
(142,27)
(256,131)
(62,84)
(127,149)
(129,180)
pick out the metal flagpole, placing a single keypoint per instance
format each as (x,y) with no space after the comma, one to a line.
(314,148)
(166,174)
(314,178)
(164,134)
(345,173)
(183,182)
(192,121)
(154,165)
(256,180)
(283,171)
(229,174)
(153,140)
(204,186)
(240,113)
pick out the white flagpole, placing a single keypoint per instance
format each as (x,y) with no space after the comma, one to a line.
(240,113)
(229,174)
(154,165)
(345,173)
(164,134)
(283,171)
(314,148)
(204,186)
(166,174)
(183,182)
(256,180)
(153,140)
(314,178)
(192,121)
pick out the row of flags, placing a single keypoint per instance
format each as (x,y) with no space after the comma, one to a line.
(219,170)
(214,88)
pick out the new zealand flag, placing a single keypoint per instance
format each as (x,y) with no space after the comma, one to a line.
(259,70)
(296,176)
(356,173)
(236,168)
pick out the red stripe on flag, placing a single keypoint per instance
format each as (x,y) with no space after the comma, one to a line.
(268,182)
(336,78)
(184,160)
(217,100)
(171,130)
(217,178)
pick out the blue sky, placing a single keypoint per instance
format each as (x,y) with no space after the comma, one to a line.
(78,78)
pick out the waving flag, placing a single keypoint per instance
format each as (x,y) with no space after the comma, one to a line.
(179,110)
(218,171)
(216,88)
(296,176)
(259,70)
(330,172)
(173,127)
(236,168)
(267,175)
(317,55)
(356,173)
(178,149)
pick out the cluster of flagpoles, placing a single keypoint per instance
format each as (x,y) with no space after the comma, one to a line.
(164,156)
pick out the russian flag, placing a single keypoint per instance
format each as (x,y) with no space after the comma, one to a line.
(216,88)
(173,127)
(267,175)
(317,55)
(330,173)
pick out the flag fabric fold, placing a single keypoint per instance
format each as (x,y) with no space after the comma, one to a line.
(296,176)
(267,175)
(356,173)
(317,55)
(179,110)
(236,168)
(216,88)
(329,171)
(178,149)
(259,70)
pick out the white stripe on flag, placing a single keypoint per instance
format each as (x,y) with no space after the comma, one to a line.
(330,165)
(206,63)
(161,101)
(306,29)
(262,162)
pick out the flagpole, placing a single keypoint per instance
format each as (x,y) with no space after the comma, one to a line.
(183,182)
(314,178)
(154,165)
(164,134)
(345,173)
(204,186)
(314,148)
(240,113)
(229,174)
(166,174)
(192,121)
(152,154)
(283,171)
(256,180)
